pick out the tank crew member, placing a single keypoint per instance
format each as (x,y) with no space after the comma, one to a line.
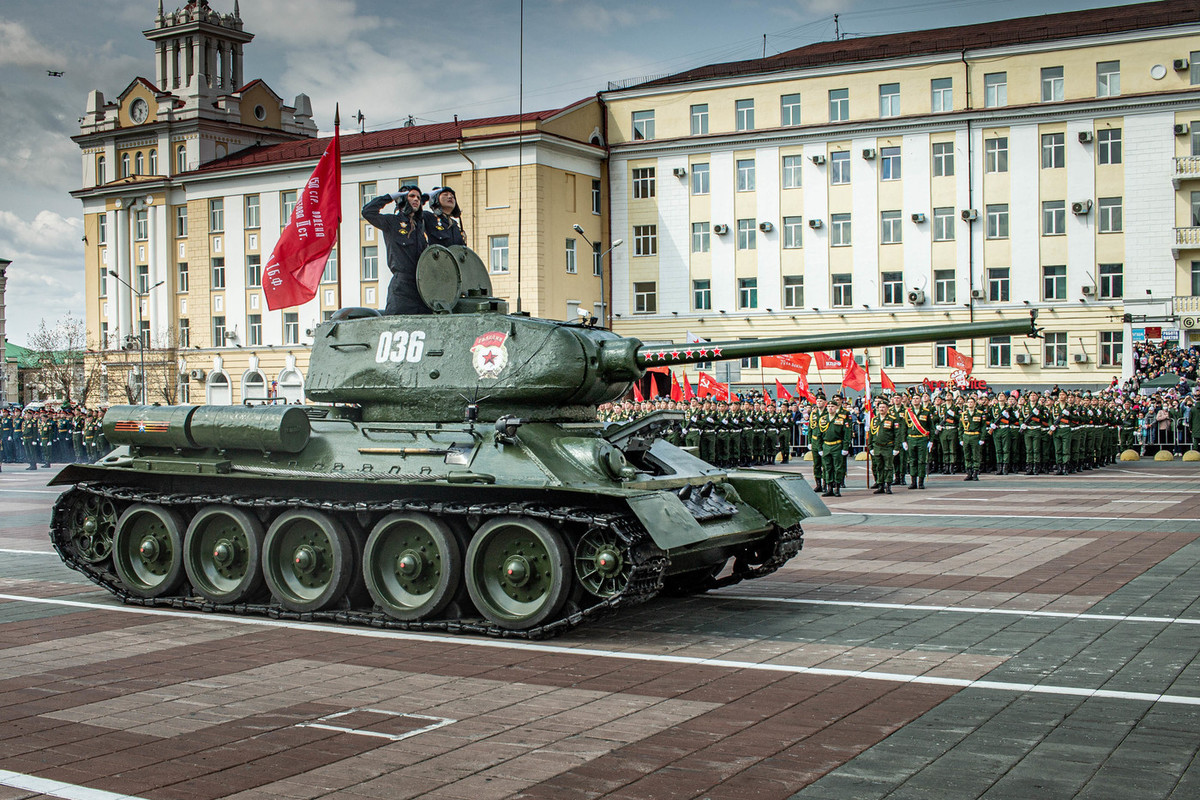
(404,234)
(443,221)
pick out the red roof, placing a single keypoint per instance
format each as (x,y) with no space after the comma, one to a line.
(1044,28)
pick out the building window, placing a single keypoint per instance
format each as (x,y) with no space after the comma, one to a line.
(747,292)
(181,276)
(218,273)
(1109,212)
(643,125)
(745,175)
(645,297)
(218,324)
(1052,84)
(498,246)
(889,99)
(153,161)
(1108,146)
(793,233)
(998,284)
(889,164)
(792,171)
(943,159)
(839,230)
(141,225)
(702,295)
(125,165)
(700,178)
(943,224)
(1195,278)
(287,204)
(747,235)
(789,109)
(139,163)
(1054,282)
(700,119)
(1195,209)
(597,261)
(995,153)
(793,291)
(893,288)
(595,197)
(839,163)
(1112,280)
(291,327)
(143,278)
(1054,217)
(253,271)
(216,215)
(181,158)
(744,115)
(1054,350)
(572,263)
(843,294)
(1194,59)
(329,274)
(995,89)
(185,333)
(839,105)
(943,286)
(700,237)
(893,356)
(645,240)
(941,353)
(1112,348)
(1108,79)
(102,228)
(1000,351)
(103,335)
(101,171)
(370,263)
(180,221)
(144,334)
(366,193)
(941,95)
(254,329)
(643,183)
(1054,150)
(889,227)
(252,211)
(997,221)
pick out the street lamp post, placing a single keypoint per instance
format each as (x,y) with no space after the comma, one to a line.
(603,299)
(141,343)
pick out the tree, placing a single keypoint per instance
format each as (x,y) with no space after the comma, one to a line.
(56,356)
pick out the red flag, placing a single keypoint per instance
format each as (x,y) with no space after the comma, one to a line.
(294,269)
(825,362)
(956,360)
(780,392)
(653,387)
(802,389)
(687,390)
(884,381)
(796,362)
(711,387)
(637,394)
(676,392)
(855,377)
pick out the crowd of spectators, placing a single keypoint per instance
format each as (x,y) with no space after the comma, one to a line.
(1153,360)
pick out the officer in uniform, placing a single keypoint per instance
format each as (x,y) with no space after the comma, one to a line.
(404,235)
(818,421)
(948,436)
(1004,433)
(443,221)
(918,426)
(29,438)
(881,440)
(45,429)
(1032,423)
(8,437)
(974,421)
(835,447)
(1061,424)
(708,432)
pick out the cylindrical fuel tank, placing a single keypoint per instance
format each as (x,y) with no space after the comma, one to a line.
(151,426)
(282,429)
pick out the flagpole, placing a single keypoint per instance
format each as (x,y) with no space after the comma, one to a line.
(867,401)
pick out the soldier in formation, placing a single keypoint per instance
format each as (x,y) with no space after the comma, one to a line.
(45,436)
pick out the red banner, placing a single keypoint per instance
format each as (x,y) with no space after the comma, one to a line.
(884,381)
(676,392)
(855,377)
(956,360)
(796,362)
(294,269)
(637,394)
(802,389)
(780,392)
(687,390)
(711,387)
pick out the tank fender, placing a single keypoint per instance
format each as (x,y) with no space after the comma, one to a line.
(667,520)
(785,498)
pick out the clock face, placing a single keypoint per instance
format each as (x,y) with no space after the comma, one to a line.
(139,111)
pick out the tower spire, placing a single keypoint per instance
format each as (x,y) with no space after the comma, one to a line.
(237,13)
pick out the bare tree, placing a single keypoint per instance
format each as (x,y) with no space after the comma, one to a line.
(57,351)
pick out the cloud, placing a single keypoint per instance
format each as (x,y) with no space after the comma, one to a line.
(305,23)
(45,280)
(604,17)
(18,47)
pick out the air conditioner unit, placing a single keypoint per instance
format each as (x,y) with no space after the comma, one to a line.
(918,217)
(1085,137)
(720,230)
(1081,358)
(860,360)
(1023,358)
(868,153)
(818,159)
(815,223)
(969,214)
(916,297)
(196,374)
(765,227)
(1089,290)
(1189,323)
(1082,207)
(679,172)
(1180,64)
(1181,129)
(977,294)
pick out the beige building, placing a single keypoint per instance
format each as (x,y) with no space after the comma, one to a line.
(206,174)
(944,175)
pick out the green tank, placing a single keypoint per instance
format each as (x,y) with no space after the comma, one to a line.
(448,474)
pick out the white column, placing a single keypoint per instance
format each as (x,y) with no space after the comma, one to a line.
(124,316)
(770,272)
(160,261)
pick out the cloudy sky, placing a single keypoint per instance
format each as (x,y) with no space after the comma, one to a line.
(390,59)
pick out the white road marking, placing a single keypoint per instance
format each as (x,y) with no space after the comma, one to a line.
(30,491)
(28,552)
(45,786)
(1010,516)
(1140,501)
(1012,612)
(450,639)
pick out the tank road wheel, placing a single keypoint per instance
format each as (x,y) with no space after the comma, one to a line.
(148,550)
(412,565)
(222,553)
(601,564)
(308,560)
(93,522)
(518,572)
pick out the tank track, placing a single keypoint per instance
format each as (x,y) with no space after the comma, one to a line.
(645,580)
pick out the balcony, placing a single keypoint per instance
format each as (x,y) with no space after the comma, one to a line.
(1187,168)
(1186,239)
(1187,304)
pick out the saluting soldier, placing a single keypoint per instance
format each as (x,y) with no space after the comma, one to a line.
(918,427)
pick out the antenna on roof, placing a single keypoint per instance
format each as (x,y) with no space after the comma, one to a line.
(410,122)
(362,122)
(837,33)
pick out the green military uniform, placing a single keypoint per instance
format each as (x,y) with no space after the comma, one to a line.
(1004,436)
(947,433)
(46,431)
(1033,422)
(835,446)
(29,439)
(818,419)
(708,434)
(974,421)
(881,439)
(1062,425)
(919,424)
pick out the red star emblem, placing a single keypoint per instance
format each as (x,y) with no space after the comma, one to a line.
(703,353)
(489,358)
(662,356)
(688,353)
(716,351)
(674,354)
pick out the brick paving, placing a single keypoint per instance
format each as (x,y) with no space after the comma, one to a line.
(797,685)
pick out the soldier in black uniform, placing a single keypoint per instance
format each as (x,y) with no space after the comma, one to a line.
(404,235)
(443,221)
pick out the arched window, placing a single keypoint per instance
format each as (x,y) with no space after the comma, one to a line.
(153,162)
(139,164)
(125,165)
(291,385)
(181,158)
(254,386)
(217,389)
(101,178)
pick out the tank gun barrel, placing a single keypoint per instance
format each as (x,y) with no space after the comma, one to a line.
(691,353)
